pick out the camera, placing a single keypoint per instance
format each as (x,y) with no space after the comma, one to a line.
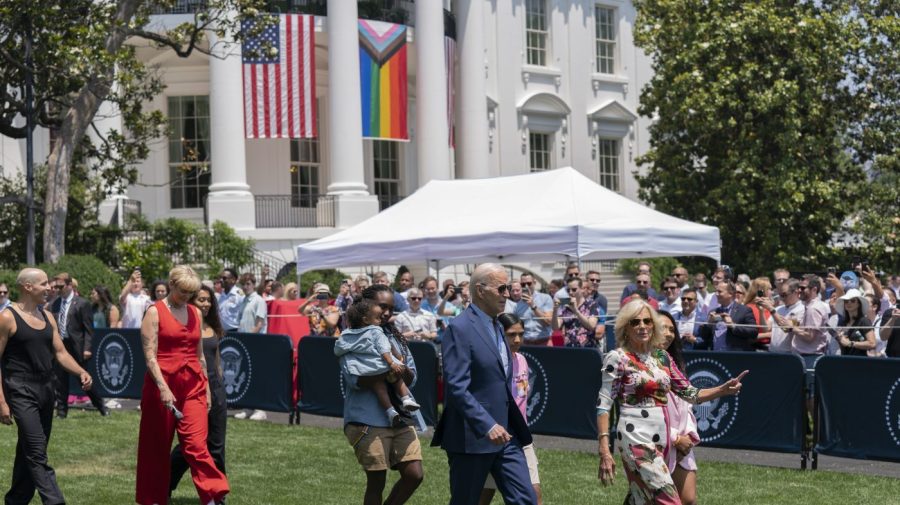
(564,300)
(760,293)
(322,296)
(832,270)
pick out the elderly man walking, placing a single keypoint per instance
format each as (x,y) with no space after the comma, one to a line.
(482,430)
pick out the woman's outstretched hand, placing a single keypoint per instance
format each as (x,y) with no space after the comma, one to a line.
(733,386)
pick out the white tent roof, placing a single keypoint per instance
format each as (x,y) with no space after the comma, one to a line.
(550,215)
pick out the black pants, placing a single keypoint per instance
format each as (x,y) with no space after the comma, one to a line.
(30,400)
(215,439)
(62,378)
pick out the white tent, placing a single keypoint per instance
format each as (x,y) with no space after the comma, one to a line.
(550,215)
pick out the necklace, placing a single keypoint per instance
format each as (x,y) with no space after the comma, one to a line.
(21,307)
(172,306)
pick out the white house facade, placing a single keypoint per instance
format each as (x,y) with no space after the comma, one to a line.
(540,84)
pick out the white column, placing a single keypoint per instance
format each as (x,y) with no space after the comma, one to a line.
(109,117)
(432,137)
(229,198)
(472,127)
(345,150)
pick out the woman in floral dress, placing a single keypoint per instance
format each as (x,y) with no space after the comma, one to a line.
(638,376)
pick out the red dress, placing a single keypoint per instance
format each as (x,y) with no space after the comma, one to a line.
(180,366)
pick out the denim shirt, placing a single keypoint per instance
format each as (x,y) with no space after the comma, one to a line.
(360,403)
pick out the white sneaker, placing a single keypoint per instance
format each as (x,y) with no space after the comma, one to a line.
(410,405)
(241,415)
(112,404)
(258,415)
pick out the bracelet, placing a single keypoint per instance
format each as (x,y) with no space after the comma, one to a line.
(603,435)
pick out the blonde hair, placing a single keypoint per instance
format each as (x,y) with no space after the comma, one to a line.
(630,311)
(184,278)
(287,289)
(757,284)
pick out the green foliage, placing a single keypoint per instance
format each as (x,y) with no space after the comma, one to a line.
(660,268)
(87,270)
(750,103)
(157,247)
(328,276)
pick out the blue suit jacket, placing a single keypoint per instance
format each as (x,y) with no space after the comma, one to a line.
(477,391)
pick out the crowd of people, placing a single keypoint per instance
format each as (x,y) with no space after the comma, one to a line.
(479,325)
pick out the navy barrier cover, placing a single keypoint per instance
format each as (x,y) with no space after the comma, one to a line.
(564,384)
(322,386)
(768,415)
(257,368)
(859,399)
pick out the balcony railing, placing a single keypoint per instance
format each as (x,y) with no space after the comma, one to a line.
(392,11)
(294,211)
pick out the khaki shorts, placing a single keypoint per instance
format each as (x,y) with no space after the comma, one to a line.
(378,449)
(530,460)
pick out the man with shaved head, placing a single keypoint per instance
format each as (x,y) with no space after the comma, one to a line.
(482,429)
(29,345)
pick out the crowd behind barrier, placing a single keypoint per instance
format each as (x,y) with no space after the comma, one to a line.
(857,399)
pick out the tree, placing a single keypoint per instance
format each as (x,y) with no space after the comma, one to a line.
(84,54)
(750,106)
(874,138)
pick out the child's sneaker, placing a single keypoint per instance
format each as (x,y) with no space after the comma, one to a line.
(394,416)
(409,404)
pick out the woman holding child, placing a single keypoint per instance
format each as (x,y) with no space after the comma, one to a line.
(377,443)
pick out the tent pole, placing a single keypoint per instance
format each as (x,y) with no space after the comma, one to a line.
(437,272)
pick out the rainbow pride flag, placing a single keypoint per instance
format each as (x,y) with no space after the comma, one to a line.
(383,80)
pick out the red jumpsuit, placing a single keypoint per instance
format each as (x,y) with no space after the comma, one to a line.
(180,366)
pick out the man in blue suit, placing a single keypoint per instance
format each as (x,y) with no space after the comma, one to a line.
(481,429)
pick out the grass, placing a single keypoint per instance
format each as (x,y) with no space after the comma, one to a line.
(271,464)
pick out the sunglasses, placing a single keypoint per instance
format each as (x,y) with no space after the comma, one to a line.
(503,288)
(594,280)
(574,275)
(416,298)
(637,322)
(672,288)
(58,286)
(4,293)
(528,284)
(688,299)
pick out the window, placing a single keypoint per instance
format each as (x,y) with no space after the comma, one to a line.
(189,155)
(605,32)
(536,33)
(608,159)
(539,151)
(304,172)
(386,170)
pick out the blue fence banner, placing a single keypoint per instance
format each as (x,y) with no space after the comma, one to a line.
(859,407)
(322,387)
(564,385)
(768,415)
(257,368)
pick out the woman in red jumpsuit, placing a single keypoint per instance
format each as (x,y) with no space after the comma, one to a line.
(175,384)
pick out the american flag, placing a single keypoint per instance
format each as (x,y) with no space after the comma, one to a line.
(280,79)
(450,65)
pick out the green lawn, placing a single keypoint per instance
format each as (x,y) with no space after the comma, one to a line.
(94,459)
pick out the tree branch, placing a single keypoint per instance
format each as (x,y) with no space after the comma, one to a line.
(180,50)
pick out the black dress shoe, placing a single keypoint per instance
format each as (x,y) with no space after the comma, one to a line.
(104,412)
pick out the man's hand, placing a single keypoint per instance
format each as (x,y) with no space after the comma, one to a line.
(727,319)
(449,293)
(87,355)
(86,380)
(5,416)
(526,298)
(868,274)
(498,435)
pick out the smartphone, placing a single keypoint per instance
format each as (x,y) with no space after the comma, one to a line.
(525,290)
(832,270)
(760,293)
(564,300)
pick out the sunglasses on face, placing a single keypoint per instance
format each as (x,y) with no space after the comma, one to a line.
(416,298)
(527,284)
(688,299)
(59,286)
(3,293)
(637,322)
(594,280)
(503,288)
(671,288)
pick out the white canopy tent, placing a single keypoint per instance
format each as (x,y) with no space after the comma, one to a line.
(551,215)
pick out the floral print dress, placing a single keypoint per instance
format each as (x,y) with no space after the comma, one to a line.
(640,384)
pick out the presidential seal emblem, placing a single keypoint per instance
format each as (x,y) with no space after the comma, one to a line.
(714,418)
(539,395)
(237,369)
(892,412)
(114,363)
